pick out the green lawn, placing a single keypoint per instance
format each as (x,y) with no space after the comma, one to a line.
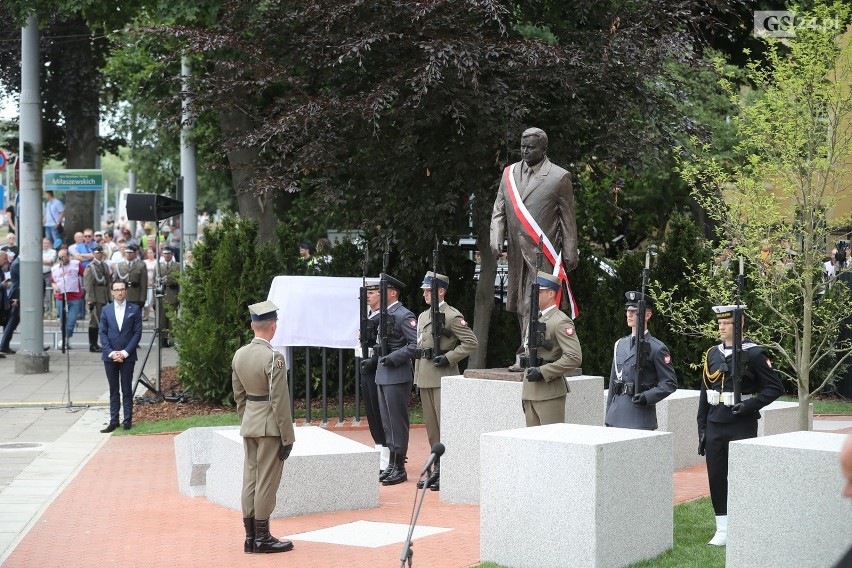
(825,406)
(694,525)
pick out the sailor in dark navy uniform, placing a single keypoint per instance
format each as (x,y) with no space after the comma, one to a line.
(394,377)
(624,407)
(720,421)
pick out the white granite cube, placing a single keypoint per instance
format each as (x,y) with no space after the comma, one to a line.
(471,407)
(677,413)
(192,458)
(780,417)
(572,495)
(785,506)
(324,473)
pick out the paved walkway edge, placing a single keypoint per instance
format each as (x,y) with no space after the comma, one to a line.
(29,495)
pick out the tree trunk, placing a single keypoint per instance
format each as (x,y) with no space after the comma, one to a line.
(804,423)
(81,111)
(484,299)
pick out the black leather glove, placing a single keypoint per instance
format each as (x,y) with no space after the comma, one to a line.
(284,451)
(534,375)
(737,408)
(441,361)
(640,399)
(701,444)
(368,365)
(386,361)
(91,305)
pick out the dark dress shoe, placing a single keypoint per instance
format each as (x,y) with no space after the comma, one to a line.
(109,428)
(7,351)
(2,356)
(128,426)
(94,349)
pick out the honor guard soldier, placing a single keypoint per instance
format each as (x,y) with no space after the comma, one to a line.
(368,373)
(626,408)
(721,420)
(457,341)
(169,274)
(259,379)
(133,273)
(394,379)
(96,283)
(545,387)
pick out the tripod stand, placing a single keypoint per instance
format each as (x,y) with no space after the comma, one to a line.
(63,324)
(158,332)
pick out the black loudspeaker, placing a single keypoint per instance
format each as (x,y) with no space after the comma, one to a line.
(152,207)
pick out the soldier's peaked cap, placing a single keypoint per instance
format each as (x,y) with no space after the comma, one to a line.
(372,283)
(443,281)
(263,311)
(726,312)
(633,299)
(394,283)
(548,281)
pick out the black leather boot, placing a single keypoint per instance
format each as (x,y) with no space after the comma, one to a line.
(248,523)
(398,474)
(391,465)
(265,542)
(93,340)
(434,481)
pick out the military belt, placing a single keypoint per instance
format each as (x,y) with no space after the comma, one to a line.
(258,397)
(627,388)
(525,362)
(423,353)
(715,398)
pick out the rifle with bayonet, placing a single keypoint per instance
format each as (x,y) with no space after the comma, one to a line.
(384,318)
(536,330)
(737,359)
(438,321)
(642,347)
(367,331)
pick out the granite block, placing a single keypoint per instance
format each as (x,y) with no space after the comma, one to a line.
(325,472)
(785,506)
(192,458)
(473,406)
(575,495)
(780,417)
(677,414)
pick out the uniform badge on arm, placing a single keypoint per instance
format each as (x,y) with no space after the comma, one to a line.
(768,363)
(279,363)
(412,322)
(569,331)
(667,359)
(462,322)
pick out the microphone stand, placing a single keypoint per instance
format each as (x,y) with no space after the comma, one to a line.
(407,553)
(63,324)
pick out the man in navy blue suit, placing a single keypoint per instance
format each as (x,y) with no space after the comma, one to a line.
(120,331)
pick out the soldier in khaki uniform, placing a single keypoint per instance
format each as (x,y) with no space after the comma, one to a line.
(263,404)
(96,283)
(169,274)
(457,342)
(133,273)
(545,387)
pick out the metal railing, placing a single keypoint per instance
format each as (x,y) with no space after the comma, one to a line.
(324,384)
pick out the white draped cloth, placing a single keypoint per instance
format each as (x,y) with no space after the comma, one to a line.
(316,311)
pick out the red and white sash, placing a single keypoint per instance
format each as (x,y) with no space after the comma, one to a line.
(536,234)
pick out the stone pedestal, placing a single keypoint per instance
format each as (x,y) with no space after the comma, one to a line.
(677,414)
(472,406)
(192,458)
(324,473)
(781,417)
(31,363)
(571,495)
(785,506)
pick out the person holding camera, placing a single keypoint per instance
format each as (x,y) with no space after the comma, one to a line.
(721,420)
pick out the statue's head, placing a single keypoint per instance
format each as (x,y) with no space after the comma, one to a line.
(533,146)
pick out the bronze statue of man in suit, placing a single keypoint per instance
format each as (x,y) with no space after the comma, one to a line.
(535,198)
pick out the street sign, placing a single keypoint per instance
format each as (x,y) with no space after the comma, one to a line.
(74,180)
(2,161)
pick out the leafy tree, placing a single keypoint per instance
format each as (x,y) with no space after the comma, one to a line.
(777,200)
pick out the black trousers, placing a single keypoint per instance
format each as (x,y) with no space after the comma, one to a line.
(120,378)
(718,436)
(371,403)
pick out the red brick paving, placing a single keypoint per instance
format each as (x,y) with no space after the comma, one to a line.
(124,509)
